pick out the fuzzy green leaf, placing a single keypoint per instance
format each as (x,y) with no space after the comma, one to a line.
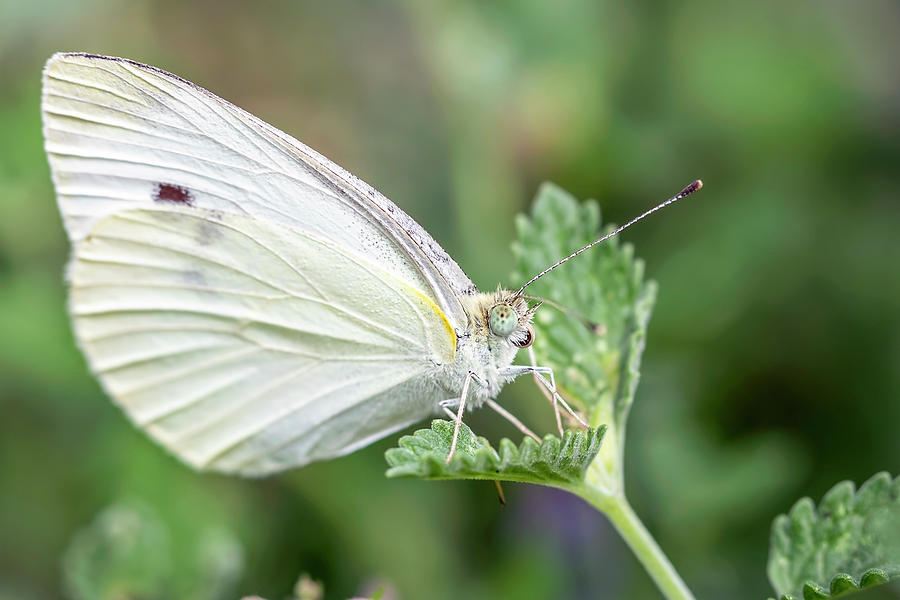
(851,541)
(596,358)
(840,585)
(555,462)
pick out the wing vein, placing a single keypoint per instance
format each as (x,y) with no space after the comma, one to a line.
(293,439)
(92,85)
(185,372)
(105,370)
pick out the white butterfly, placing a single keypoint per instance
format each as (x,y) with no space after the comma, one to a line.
(250,304)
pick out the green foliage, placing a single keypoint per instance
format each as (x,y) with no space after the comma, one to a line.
(595,350)
(554,462)
(787,119)
(841,584)
(127,552)
(851,541)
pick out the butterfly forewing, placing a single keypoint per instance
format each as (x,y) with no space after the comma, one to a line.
(120,134)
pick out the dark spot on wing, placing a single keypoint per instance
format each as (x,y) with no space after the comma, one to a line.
(169,192)
(208,232)
(194,277)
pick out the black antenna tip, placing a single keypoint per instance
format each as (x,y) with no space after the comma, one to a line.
(691,188)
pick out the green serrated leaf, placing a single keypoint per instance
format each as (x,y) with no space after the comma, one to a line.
(555,462)
(596,359)
(874,577)
(842,583)
(851,541)
(593,328)
(813,592)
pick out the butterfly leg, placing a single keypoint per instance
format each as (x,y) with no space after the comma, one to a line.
(509,417)
(539,373)
(553,388)
(550,397)
(445,406)
(459,413)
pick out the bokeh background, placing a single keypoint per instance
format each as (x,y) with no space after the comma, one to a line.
(772,364)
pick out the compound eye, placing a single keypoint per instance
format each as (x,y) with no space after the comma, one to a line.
(503,320)
(527,341)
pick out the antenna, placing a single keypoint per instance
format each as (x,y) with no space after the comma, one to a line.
(687,191)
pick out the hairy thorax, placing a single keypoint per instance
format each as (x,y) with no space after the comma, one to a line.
(482,352)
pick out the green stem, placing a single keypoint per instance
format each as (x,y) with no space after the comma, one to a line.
(630,527)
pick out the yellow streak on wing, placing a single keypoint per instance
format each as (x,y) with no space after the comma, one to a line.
(444,320)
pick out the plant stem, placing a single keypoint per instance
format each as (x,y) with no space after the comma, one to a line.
(630,527)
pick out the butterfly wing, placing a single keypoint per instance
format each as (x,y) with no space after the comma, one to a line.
(120,135)
(243,346)
(235,349)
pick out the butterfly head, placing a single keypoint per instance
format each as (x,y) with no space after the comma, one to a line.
(509,317)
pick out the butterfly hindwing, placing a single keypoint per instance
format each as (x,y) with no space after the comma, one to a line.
(244,346)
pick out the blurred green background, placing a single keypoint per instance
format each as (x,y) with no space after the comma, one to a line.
(772,365)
